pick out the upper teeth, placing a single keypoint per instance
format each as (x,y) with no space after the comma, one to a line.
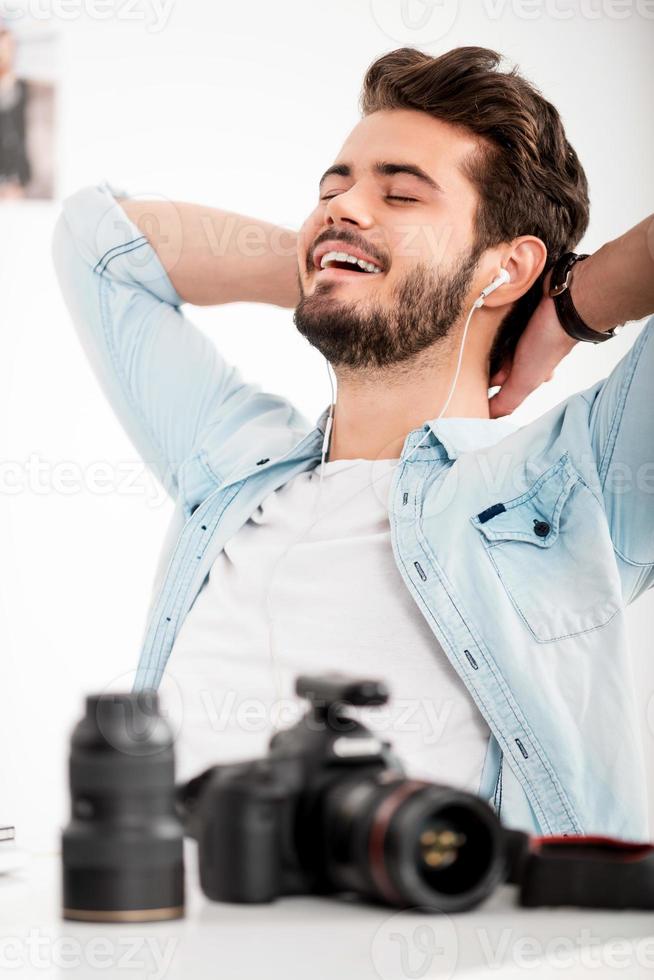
(346,257)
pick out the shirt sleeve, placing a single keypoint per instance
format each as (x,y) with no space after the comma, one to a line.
(621,423)
(164,378)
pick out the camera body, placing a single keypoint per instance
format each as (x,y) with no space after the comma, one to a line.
(330,810)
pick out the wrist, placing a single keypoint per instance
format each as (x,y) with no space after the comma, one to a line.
(560,289)
(587,295)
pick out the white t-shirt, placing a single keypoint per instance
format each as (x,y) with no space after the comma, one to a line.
(337,602)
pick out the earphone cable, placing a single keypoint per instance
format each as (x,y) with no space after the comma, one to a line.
(303,535)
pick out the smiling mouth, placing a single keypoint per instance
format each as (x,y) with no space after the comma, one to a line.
(339,272)
(338,264)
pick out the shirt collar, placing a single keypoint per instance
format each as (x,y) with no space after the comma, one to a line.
(456,435)
(460,435)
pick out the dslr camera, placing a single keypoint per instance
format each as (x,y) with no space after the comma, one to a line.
(330,810)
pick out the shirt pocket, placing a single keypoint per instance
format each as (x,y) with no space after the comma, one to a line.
(553,554)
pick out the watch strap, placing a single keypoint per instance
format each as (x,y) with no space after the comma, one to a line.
(559,290)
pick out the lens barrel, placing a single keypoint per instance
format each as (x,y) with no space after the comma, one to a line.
(123,847)
(410,843)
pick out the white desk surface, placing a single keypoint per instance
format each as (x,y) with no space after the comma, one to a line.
(313,939)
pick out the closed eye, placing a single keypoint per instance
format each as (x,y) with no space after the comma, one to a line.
(389,197)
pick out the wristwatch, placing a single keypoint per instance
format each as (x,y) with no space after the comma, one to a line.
(559,290)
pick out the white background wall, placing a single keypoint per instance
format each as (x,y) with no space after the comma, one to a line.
(241,106)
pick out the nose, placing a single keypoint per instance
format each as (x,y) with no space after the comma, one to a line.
(349,207)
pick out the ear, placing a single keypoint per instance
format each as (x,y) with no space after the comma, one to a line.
(524,261)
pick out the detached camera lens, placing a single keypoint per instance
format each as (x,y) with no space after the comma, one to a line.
(123,848)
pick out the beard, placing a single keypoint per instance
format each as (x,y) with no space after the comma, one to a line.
(422,311)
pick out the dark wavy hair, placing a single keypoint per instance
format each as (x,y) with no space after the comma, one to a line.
(529,178)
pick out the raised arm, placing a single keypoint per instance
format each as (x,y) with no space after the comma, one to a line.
(183,405)
(214,256)
(616,284)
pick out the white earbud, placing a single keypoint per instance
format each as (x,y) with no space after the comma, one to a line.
(498,281)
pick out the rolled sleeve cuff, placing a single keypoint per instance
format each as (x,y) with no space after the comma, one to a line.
(112,244)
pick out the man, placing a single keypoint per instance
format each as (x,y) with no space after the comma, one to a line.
(15,169)
(26,128)
(483,569)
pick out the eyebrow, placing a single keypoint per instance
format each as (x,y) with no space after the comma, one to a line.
(384,169)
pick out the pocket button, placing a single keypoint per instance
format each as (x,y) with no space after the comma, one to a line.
(541,528)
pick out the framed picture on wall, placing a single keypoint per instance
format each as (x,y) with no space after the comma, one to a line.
(27,109)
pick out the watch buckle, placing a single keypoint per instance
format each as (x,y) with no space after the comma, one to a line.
(562,286)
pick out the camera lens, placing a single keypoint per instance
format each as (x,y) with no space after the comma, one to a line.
(451,849)
(412,843)
(123,848)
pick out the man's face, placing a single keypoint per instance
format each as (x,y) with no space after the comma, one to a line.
(417,230)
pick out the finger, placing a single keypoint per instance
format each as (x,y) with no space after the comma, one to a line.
(519,383)
(497,407)
(500,375)
(511,394)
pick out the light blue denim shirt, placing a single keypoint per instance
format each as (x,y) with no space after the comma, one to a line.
(521,546)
